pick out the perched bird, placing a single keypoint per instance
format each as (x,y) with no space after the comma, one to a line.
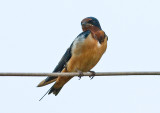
(83,54)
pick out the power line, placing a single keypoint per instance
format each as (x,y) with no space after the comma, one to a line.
(79,74)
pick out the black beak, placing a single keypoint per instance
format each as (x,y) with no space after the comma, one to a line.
(84,23)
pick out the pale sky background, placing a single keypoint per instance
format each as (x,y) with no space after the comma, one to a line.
(34,34)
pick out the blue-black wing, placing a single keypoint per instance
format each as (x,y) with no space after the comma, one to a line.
(61,63)
(66,57)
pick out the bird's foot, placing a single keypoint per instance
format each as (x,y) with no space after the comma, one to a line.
(93,74)
(80,74)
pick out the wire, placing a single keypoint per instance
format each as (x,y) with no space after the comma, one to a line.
(79,74)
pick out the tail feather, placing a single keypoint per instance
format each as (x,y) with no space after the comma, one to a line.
(52,89)
(44,95)
(55,91)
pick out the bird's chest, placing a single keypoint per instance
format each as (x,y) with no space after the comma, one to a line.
(86,53)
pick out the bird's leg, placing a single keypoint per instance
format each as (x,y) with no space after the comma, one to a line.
(93,74)
(80,73)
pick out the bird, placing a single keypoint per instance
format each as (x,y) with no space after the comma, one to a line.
(82,55)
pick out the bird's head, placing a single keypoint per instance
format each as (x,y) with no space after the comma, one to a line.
(90,22)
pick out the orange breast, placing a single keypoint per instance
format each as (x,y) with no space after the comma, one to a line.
(86,54)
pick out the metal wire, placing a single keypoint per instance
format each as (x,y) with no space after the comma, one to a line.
(79,74)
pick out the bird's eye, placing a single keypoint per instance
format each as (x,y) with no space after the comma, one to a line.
(90,21)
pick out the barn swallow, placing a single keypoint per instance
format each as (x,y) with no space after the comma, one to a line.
(83,54)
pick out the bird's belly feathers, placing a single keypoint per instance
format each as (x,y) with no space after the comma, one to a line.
(86,54)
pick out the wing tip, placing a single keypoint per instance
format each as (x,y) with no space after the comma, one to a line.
(41,84)
(44,82)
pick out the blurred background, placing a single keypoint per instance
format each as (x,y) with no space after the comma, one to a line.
(34,34)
